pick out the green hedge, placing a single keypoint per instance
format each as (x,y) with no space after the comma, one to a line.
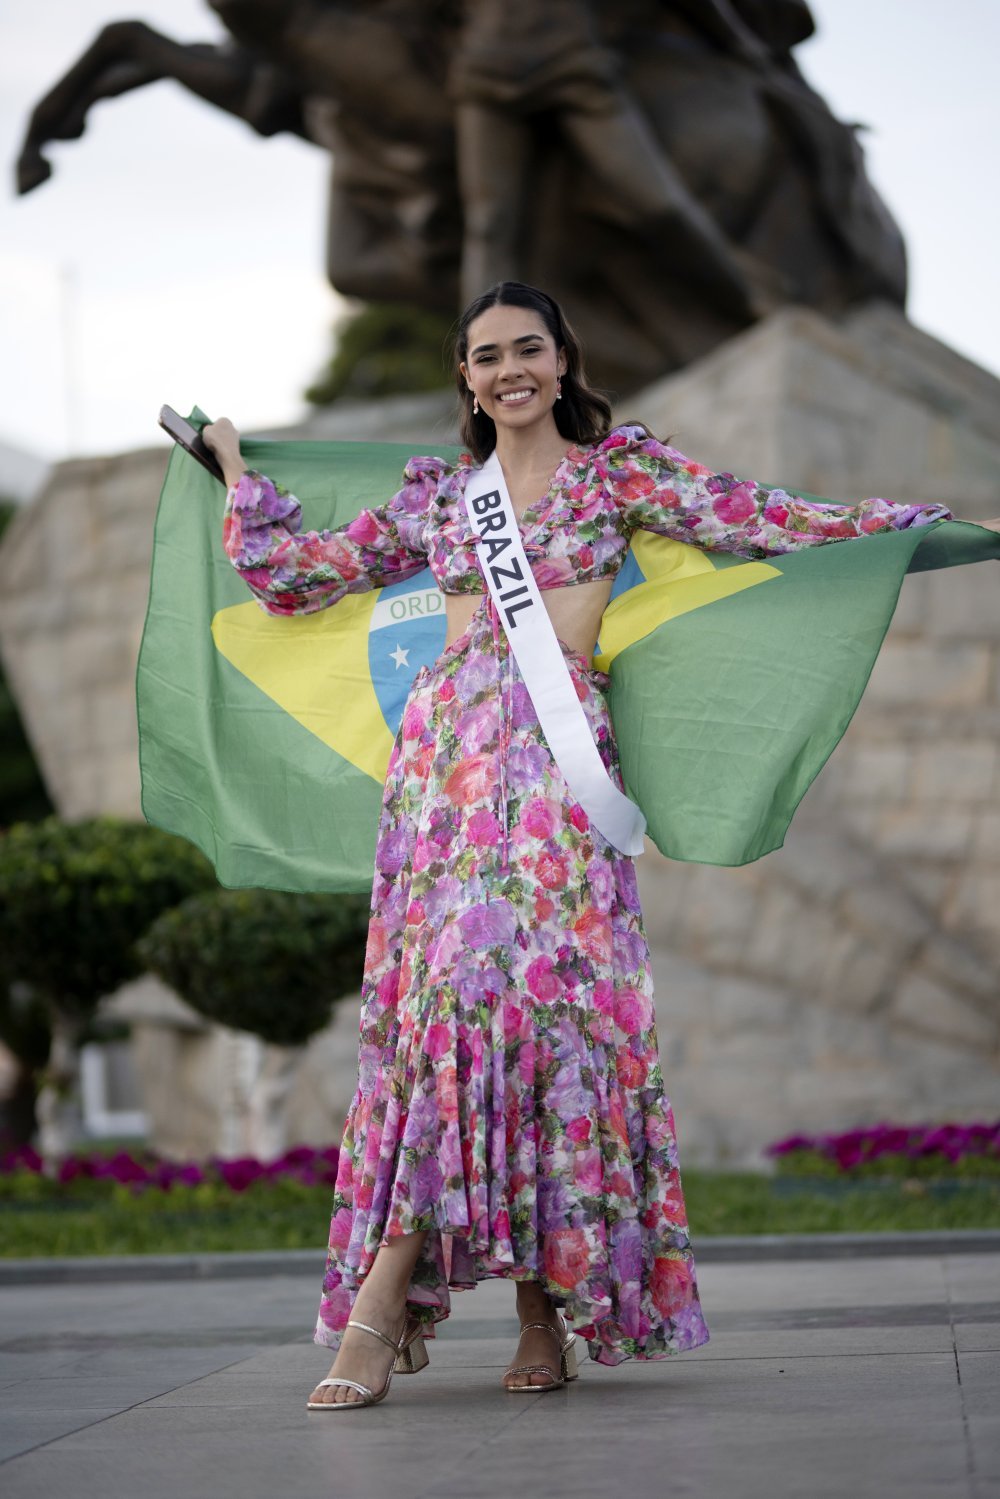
(261,960)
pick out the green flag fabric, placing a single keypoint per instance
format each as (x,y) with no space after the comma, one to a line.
(264,740)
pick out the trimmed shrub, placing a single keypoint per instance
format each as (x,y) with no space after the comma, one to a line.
(261,960)
(75,896)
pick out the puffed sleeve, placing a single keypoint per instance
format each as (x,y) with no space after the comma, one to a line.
(658,489)
(291,571)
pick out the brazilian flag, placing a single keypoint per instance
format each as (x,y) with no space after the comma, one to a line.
(265,740)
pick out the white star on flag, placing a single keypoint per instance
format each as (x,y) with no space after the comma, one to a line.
(401,657)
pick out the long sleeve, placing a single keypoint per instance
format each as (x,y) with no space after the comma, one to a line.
(298,572)
(658,489)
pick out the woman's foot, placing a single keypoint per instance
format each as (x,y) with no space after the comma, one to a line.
(537,1344)
(381,1303)
(361,1357)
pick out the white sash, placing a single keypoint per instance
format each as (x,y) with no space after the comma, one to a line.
(541,662)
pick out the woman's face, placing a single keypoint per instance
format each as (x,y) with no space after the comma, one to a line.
(512,366)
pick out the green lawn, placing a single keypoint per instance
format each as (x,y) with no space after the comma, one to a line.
(37,1217)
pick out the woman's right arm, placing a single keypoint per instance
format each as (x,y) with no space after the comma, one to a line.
(298,572)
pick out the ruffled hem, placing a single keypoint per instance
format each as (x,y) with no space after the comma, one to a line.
(612,1337)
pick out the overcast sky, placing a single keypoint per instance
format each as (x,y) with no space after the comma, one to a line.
(175,256)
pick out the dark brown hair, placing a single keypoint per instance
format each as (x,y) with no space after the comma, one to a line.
(582,414)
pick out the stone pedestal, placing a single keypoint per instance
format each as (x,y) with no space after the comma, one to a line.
(854,975)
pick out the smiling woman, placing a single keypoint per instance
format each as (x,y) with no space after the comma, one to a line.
(510,1117)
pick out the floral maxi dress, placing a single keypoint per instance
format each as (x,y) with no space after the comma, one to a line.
(509,1097)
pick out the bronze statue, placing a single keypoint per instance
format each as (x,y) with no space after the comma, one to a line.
(662,165)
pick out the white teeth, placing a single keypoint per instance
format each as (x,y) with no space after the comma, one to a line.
(519,395)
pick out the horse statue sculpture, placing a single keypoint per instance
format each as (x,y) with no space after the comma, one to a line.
(661,165)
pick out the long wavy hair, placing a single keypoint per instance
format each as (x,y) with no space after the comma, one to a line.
(583,415)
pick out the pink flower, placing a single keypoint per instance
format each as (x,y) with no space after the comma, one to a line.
(447,1094)
(552,572)
(631,1069)
(775,513)
(483,828)
(672,1286)
(579,818)
(378,945)
(543,907)
(567,1258)
(542,981)
(658,1131)
(587,1173)
(604,997)
(471,780)
(438,1040)
(637,485)
(363,528)
(578,1130)
(593,930)
(335,1307)
(513,1021)
(736,506)
(388,988)
(633,1011)
(537,818)
(414,721)
(550,871)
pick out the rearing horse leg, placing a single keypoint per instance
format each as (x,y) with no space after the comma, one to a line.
(127,55)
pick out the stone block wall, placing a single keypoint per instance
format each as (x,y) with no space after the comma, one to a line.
(853,975)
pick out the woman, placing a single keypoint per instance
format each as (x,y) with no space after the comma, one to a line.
(510,1118)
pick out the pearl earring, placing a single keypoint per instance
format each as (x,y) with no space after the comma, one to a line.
(558,390)
(475,405)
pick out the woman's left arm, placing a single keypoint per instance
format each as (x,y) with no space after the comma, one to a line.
(660,490)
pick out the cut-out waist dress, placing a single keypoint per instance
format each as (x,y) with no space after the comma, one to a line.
(509,1097)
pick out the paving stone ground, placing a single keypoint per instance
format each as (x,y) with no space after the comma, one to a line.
(860,1377)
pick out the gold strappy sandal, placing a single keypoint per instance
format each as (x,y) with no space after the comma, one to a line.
(411,1356)
(568,1368)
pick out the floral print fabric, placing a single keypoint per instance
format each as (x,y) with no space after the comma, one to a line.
(509,1097)
(580,529)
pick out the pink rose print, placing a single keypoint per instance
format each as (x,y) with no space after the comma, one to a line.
(566,1257)
(538,818)
(543,982)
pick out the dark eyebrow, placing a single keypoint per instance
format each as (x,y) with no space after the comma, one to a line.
(525,338)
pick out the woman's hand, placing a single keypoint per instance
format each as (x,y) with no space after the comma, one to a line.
(224,441)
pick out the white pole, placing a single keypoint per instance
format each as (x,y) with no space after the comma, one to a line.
(68,307)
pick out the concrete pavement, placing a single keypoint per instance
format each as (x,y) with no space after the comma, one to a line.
(861,1377)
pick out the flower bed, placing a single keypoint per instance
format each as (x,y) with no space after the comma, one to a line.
(893,1151)
(304,1165)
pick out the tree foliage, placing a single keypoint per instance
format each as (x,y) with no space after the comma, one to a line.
(261,960)
(74,897)
(384,350)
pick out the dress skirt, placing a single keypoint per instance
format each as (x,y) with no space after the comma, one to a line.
(509,1097)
